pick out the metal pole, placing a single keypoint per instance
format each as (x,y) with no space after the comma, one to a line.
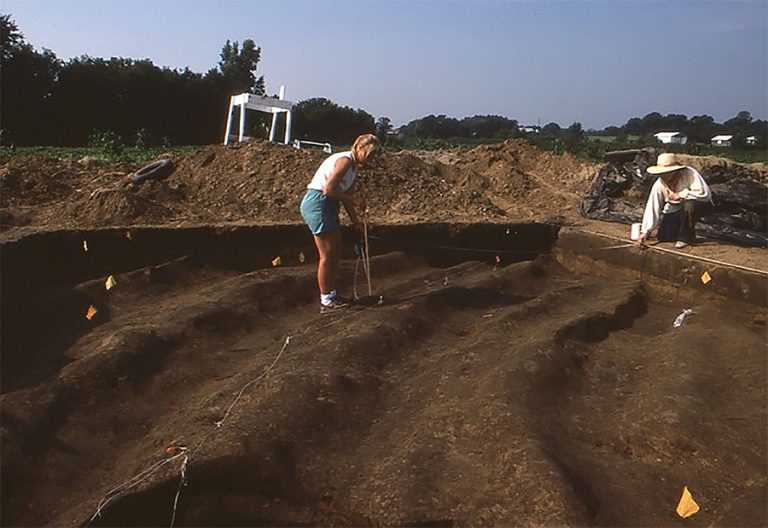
(367,255)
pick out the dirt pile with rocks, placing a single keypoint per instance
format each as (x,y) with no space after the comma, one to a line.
(264,182)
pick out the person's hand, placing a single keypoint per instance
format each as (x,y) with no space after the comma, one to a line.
(358,201)
(674,197)
(641,240)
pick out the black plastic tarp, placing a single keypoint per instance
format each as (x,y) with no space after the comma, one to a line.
(740,214)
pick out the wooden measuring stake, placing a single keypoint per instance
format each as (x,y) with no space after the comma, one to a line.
(367,255)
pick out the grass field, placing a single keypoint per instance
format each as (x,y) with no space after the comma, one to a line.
(129,154)
(610,139)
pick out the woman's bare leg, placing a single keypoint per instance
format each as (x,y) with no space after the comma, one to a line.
(329,251)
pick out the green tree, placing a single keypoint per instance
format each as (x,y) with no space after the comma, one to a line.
(551,130)
(634,126)
(320,119)
(489,126)
(740,123)
(46,101)
(383,128)
(652,123)
(11,39)
(238,66)
(27,78)
(701,128)
(573,136)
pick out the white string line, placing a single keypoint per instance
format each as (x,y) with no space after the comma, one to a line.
(234,402)
(182,482)
(681,253)
(186,453)
(367,255)
(617,247)
(130,483)
(366,272)
(219,424)
(355,296)
(477,250)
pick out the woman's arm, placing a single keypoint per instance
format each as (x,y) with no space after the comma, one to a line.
(346,198)
(697,189)
(340,168)
(652,210)
(352,212)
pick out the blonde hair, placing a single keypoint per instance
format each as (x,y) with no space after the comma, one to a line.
(364,146)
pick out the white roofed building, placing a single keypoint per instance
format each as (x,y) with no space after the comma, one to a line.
(677,138)
(529,129)
(722,141)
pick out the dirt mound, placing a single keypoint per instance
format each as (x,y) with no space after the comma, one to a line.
(715,163)
(35,181)
(526,179)
(264,182)
(153,202)
(256,181)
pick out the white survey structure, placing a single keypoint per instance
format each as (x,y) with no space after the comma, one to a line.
(269,105)
(299,143)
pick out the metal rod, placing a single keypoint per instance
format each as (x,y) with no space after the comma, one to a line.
(367,255)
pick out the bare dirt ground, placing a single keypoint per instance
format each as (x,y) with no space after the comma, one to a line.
(476,395)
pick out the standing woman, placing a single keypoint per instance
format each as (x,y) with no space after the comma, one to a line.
(332,184)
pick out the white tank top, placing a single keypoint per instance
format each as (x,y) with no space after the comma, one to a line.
(326,169)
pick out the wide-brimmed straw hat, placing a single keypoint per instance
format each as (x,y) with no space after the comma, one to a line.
(665,163)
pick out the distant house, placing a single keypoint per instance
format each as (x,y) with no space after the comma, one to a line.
(722,141)
(677,138)
(529,129)
(751,140)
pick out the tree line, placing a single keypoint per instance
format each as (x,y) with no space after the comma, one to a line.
(87,100)
(699,129)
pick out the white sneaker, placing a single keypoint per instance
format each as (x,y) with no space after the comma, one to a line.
(680,244)
(333,306)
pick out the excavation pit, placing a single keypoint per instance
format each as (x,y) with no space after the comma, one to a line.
(514,375)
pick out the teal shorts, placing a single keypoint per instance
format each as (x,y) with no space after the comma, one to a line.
(320,213)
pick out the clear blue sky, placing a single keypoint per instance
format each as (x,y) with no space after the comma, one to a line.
(597,62)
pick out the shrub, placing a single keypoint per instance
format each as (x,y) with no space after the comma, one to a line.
(108,141)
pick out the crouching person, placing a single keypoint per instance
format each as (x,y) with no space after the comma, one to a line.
(676,202)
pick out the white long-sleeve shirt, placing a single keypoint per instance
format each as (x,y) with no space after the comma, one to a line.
(690,186)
